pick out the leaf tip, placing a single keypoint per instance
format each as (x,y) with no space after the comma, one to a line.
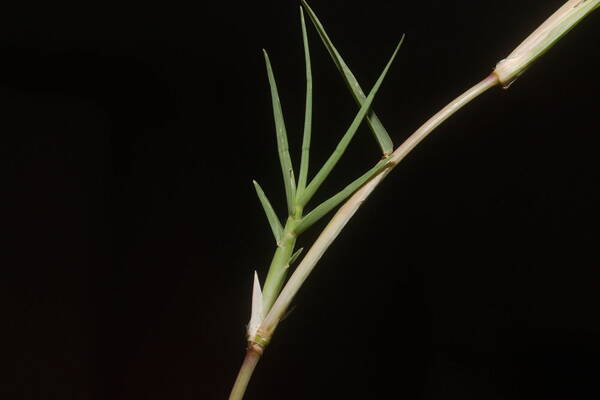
(295,256)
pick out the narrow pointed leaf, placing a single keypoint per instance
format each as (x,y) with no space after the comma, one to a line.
(256,314)
(282,142)
(271,216)
(322,209)
(307,112)
(295,256)
(288,312)
(345,141)
(292,179)
(380,133)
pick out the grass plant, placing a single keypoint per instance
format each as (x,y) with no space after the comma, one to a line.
(271,301)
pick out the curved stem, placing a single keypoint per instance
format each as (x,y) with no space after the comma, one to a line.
(339,220)
(239,387)
(433,122)
(333,229)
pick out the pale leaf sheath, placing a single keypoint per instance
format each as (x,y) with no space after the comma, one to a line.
(543,38)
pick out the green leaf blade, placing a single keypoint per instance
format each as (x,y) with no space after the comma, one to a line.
(308,111)
(295,256)
(274,222)
(282,142)
(379,132)
(345,141)
(322,209)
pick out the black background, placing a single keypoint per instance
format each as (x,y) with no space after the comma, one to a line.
(131,134)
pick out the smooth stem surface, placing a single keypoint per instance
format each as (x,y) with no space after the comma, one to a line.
(346,212)
(239,387)
(279,265)
(441,116)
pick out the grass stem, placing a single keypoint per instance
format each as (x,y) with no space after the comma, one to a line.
(343,215)
(276,301)
(245,373)
(329,234)
(279,265)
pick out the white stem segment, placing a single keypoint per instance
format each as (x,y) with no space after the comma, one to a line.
(543,38)
(343,215)
(256,314)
